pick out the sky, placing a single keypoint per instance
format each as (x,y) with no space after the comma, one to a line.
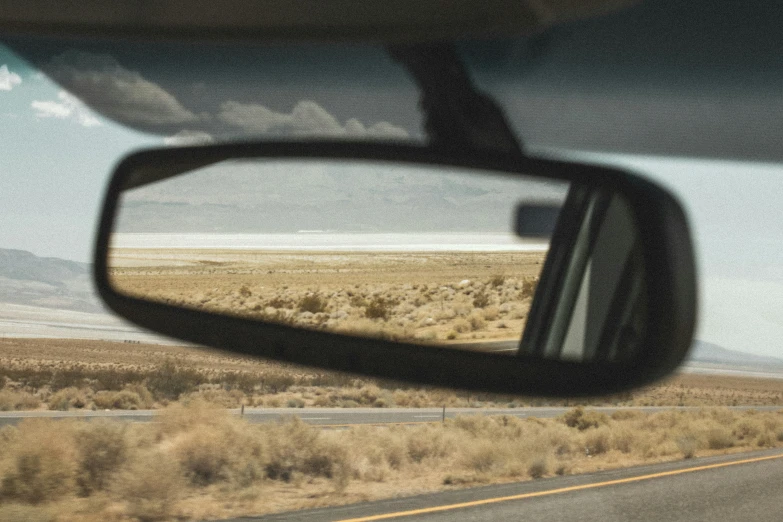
(285,196)
(57,156)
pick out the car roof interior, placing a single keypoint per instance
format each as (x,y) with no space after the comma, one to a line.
(688,79)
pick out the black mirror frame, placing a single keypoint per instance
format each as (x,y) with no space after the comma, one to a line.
(666,246)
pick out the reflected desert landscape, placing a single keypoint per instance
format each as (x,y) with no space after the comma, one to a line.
(438,297)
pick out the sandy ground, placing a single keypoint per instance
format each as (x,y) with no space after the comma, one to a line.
(431,297)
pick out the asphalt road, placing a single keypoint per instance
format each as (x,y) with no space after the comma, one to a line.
(337,417)
(507,347)
(711,489)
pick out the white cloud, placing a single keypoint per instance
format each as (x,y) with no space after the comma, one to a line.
(68,106)
(116,91)
(51,109)
(380,129)
(189,137)
(8,79)
(306,118)
(126,96)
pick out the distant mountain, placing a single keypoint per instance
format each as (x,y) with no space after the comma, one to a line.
(706,352)
(23,265)
(46,281)
(267,197)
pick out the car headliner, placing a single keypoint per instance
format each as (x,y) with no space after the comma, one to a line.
(378,20)
(700,78)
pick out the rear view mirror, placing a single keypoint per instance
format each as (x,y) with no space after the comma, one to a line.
(526,276)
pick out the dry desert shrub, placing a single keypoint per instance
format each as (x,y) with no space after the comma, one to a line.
(121,400)
(528,287)
(296,448)
(280,302)
(276,382)
(242,381)
(580,419)
(384,452)
(748,428)
(224,453)
(312,303)
(212,446)
(765,440)
(26,513)
(169,380)
(538,467)
(199,450)
(719,438)
(102,448)
(68,398)
(484,456)
(491,313)
(218,397)
(196,414)
(624,415)
(18,400)
(623,438)
(39,462)
(425,443)
(481,299)
(688,444)
(151,486)
(481,426)
(461,325)
(379,308)
(597,441)
(477,322)
(497,280)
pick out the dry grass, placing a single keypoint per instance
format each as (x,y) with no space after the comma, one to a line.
(77,374)
(200,462)
(13,400)
(418,296)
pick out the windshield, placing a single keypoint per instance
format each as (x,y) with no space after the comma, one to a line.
(221,436)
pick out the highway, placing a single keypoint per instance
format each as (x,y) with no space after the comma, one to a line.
(709,489)
(339,417)
(505,347)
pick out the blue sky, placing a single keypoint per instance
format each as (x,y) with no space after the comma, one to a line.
(54,168)
(57,157)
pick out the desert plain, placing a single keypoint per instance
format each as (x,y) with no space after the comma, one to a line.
(427,296)
(197,461)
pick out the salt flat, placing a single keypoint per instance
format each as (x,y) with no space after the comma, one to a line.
(39,322)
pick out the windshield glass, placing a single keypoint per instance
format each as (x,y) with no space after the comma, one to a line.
(197,93)
(221,436)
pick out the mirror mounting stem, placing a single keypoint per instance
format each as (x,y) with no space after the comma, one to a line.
(457,115)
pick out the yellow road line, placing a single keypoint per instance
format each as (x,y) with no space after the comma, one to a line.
(521,496)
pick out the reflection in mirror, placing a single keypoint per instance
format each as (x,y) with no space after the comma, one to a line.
(403,252)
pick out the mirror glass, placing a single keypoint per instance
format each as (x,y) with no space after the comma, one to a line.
(426,254)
